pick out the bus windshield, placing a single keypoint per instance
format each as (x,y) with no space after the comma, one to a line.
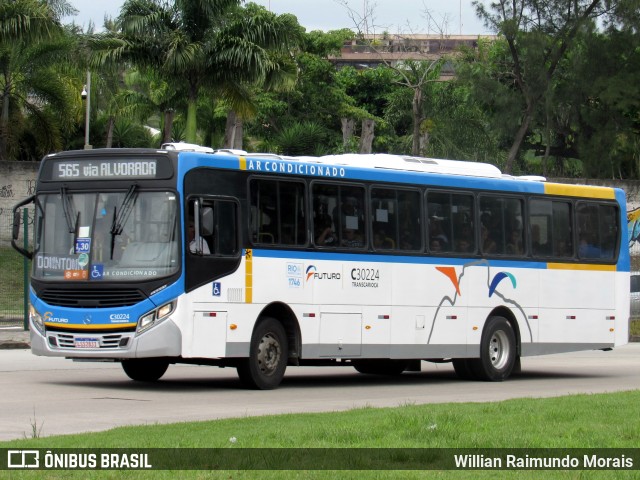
(106,236)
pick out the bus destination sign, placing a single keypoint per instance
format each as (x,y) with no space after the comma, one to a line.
(107,169)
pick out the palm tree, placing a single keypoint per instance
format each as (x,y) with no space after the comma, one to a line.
(32,19)
(33,45)
(146,95)
(201,43)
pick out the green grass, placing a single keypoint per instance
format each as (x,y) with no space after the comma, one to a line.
(581,421)
(11,282)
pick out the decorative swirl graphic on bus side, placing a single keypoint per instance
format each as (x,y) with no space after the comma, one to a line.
(492,285)
(498,278)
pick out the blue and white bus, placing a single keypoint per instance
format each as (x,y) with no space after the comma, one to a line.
(258,261)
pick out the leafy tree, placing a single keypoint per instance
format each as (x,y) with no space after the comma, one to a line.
(601,88)
(317,98)
(369,90)
(32,20)
(484,73)
(146,95)
(303,138)
(459,126)
(539,35)
(202,43)
(417,75)
(34,91)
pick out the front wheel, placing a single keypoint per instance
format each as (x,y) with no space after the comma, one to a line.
(145,369)
(268,356)
(497,351)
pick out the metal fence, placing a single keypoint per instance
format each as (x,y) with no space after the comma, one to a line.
(13,270)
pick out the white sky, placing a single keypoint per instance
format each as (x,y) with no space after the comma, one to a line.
(393,16)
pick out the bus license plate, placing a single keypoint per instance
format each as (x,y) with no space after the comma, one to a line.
(87,343)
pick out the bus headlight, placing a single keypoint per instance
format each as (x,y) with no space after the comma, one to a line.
(154,317)
(36,319)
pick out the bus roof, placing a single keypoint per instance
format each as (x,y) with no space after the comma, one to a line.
(405,163)
(416,164)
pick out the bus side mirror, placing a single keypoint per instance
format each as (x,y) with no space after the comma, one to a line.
(206,221)
(16,227)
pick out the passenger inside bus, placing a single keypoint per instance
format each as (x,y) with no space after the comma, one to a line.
(325,236)
(382,241)
(194,240)
(514,244)
(488,244)
(587,248)
(435,245)
(436,233)
(352,239)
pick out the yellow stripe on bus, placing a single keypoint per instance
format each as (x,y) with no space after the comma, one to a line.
(581,266)
(579,191)
(248,276)
(243,163)
(91,327)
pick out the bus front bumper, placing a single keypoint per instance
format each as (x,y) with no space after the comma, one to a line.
(163,340)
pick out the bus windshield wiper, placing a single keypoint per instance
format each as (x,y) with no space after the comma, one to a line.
(121,215)
(67,208)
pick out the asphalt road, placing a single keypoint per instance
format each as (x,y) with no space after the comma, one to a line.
(61,397)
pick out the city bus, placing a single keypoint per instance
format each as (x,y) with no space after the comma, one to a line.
(153,257)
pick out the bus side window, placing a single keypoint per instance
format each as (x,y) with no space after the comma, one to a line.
(351,217)
(218,228)
(383,219)
(409,221)
(325,202)
(597,231)
(451,225)
(226,228)
(277,212)
(345,226)
(550,227)
(502,225)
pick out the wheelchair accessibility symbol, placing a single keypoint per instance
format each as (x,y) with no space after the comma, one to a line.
(97,272)
(217,289)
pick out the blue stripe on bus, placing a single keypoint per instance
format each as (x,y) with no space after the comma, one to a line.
(404,259)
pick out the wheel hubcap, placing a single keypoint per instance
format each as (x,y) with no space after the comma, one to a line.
(499,349)
(269,354)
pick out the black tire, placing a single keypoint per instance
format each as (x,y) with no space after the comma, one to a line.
(145,369)
(462,367)
(497,351)
(268,356)
(381,366)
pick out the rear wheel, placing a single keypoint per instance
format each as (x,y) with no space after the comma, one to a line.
(268,356)
(497,351)
(381,366)
(145,369)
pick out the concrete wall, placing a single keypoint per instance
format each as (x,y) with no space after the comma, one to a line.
(17,182)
